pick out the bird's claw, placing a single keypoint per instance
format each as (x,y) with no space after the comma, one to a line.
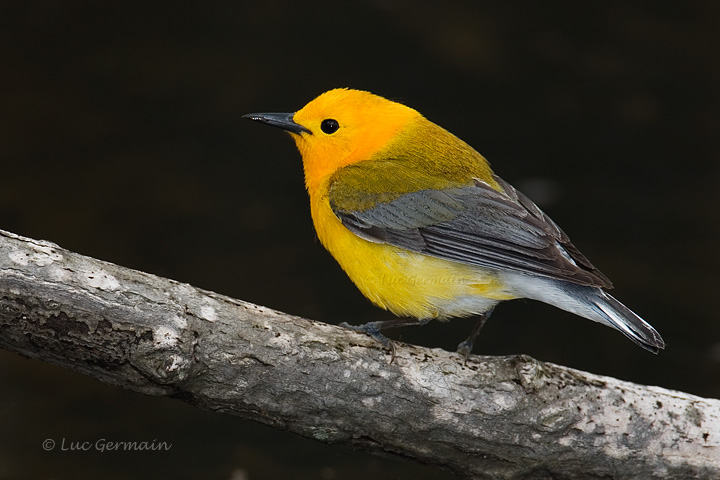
(372,329)
(464,349)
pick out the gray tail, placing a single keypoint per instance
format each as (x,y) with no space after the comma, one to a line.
(628,322)
(596,304)
(590,302)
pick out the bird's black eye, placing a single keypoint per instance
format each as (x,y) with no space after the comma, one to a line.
(329,126)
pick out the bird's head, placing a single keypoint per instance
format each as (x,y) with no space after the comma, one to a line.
(341,127)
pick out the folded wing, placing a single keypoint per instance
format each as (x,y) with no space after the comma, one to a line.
(474,224)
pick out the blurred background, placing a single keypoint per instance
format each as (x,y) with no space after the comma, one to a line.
(121,138)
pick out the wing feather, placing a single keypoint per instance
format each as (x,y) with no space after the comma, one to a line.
(473,224)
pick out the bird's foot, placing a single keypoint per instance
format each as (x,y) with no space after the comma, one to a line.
(373,329)
(464,349)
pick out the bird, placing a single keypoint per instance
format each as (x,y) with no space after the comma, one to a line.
(424,228)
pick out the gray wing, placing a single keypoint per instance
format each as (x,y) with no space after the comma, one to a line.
(476,225)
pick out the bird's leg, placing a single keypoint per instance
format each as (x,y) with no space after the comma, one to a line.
(373,329)
(466,346)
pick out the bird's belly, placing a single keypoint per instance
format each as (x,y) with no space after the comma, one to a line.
(409,283)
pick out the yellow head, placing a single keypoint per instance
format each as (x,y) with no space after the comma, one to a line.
(341,127)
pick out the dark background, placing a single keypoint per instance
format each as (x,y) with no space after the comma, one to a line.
(121,138)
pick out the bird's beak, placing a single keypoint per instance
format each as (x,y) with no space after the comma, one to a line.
(280,120)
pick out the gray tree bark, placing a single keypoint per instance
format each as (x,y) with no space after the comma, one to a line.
(496,417)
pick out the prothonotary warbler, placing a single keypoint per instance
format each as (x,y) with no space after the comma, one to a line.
(425,229)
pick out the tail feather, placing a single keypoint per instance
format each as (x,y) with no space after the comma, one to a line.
(628,322)
(589,302)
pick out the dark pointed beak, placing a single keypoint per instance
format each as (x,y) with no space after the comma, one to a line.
(280,120)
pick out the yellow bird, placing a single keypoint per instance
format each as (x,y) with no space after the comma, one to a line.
(425,229)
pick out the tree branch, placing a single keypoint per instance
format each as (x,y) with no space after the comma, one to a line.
(497,417)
